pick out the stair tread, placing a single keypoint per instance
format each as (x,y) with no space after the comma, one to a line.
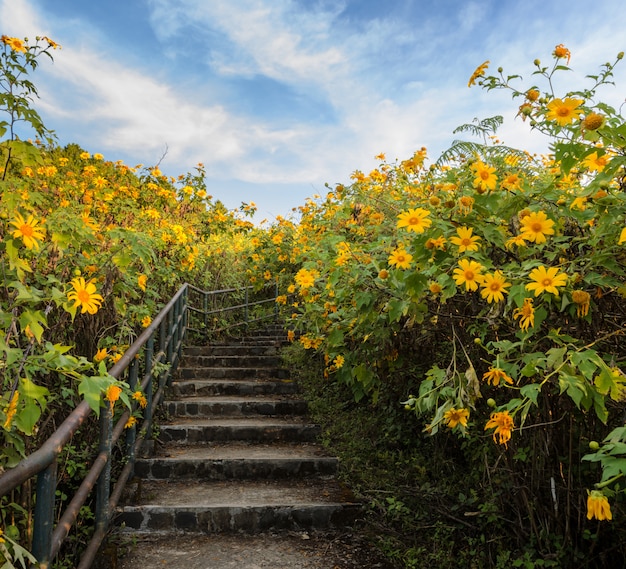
(235,399)
(239,421)
(238,450)
(249,493)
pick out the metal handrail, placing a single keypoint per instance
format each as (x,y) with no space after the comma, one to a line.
(160,343)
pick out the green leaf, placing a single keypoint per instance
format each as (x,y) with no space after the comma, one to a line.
(531,391)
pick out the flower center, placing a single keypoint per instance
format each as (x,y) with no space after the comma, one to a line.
(546,282)
(466,242)
(26,230)
(414,221)
(83,296)
(536,227)
(469,275)
(484,175)
(563,111)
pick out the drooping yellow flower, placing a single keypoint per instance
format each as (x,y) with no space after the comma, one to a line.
(494,287)
(468,273)
(560,52)
(113,394)
(11,410)
(101,354)
(503,424)
(291,335)
(14,43)
(415,220)
(517,240)
(28,231)
(535,227)
(141,282)
(511,182)
(494,375)
(466,204)
(85,296)
(598,506)
(464,239)
(131,422)
(485,177)
(546,280)
(582,299)
(526,314)
(400,258)
(564,112)
(478,72)
(436,243)
(454,417)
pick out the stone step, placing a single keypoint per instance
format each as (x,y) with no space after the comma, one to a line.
(237,460)
(239,429)
(239,506)
(210,387)
(232,373)
(235,406)
(231,361)
(232,350)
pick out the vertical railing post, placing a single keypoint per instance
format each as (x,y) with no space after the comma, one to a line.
(205,309)
(131,434)
(149,355)
(275,303)
(246,307)
(172,316)
(44,514)
(103,487)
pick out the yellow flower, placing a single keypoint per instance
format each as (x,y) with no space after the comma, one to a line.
(383,274)
(511,182)
(596,163)
(436,243)
(291,335)
(478,72)
(400,258)
(582,300)
(535,227)
(465,240)
(132,421)
(435,288)
(532,95)
(146,321)
(466,203)
(140,398)
(454,417)
(14,43)
(100,355)
(503,424)
(84,295)
(526,314)
(485,176)
(339,361)
(516,240)
(560,52)
(546,280)
(27,231)
(494,287)
(563,112)
(598,506)
(415,220)
(468,274)
(305,278)
(113,394)
(494,375)
(141,282)
(11,410)
(622,236)
(85,155)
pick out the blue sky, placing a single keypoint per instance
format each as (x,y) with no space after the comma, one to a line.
(279,97)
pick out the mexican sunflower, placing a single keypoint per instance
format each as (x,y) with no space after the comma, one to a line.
(598,506)
(485,177)
(526,315)
(416,220)
(468,274)
(535,227)
(400,258)
(494,287)
(564,112)
(84,296)
(454,417)
(464,239)
(28,231)
(494,375)
(546,280)
(478,72)
(503,424)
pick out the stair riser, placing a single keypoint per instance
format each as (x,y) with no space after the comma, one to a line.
(231,350)
(235,409)
(232,373)
(234,469)
(220,433)
(235,519)
(231,361)
(239,389)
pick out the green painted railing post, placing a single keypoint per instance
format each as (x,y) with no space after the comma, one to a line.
(246,317)
(149,355)
(44,514)
(205,308)
(131,434)
(103,487)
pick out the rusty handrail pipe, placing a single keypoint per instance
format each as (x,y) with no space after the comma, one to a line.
(52,447)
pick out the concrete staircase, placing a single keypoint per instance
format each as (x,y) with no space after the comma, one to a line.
(238,454)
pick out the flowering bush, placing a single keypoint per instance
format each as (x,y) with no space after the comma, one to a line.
(491,285)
